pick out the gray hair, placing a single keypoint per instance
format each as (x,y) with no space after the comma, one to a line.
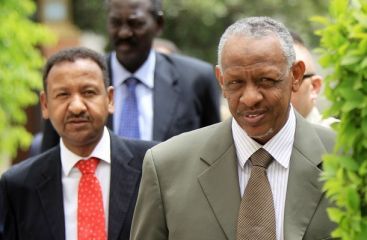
(260,27)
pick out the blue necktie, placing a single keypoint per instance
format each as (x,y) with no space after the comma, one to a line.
(129,121)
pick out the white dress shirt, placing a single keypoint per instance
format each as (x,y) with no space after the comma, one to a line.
(280,147)
(70,181)
(144,93)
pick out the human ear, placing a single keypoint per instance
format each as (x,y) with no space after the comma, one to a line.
(44,106)
(111,106)
(298,70)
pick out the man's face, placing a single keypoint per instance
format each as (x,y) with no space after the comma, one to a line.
(132,28)
(257,84)
(77,103)
(305,98)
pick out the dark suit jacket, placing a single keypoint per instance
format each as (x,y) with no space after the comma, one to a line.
(32,199)
(186,97)
(190,188)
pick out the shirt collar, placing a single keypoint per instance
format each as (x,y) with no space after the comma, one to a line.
(145,73)
(102,151)
(280,146)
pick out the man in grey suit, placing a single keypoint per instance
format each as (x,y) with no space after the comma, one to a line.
(40,197)
(192,184)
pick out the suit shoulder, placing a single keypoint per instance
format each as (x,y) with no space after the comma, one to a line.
(187,61)
(20,171)
(140,144)
(326,135)
(188,142)
(121,146)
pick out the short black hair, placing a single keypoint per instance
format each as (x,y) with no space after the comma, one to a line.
(73,54)
(157,8)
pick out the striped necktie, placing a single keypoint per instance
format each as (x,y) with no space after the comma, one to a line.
(256,219)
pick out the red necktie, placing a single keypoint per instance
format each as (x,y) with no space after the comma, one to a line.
(91,219)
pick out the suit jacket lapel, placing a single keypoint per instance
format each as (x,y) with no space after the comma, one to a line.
(304,187)
(50,193)
(220,180)
(166,94)
(124,183)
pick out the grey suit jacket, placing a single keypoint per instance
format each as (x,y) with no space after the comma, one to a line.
(31,198)
(190,188)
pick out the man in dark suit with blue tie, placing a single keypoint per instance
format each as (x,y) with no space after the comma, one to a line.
(174,93)
(41,197)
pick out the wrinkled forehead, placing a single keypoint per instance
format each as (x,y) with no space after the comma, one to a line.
(251,52)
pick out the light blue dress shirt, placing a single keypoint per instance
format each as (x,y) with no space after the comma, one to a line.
(144,93)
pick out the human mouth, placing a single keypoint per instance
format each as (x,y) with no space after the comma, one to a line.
(77,122)
(253,118)
(124,45)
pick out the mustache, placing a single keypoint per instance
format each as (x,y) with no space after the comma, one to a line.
(77,118)
(129,41)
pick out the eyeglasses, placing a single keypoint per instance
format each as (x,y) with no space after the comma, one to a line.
(308,75)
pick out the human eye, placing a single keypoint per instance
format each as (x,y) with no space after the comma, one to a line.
(267,82)
(233,84)
(114,22)
(89,93)
(61,94)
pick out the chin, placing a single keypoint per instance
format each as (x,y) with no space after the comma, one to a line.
(262,137)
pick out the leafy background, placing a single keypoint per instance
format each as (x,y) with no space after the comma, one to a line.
(344,51)
(195,26)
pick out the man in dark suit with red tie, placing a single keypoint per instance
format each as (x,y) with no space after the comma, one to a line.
(48,196)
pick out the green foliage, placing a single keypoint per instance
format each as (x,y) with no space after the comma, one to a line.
(196,25)
(344,51)
(20,62)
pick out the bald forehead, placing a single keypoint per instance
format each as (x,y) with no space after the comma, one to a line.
(250,50)
(303,54)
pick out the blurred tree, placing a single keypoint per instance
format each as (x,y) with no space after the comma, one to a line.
(196,25)
(20,62)
(90,15)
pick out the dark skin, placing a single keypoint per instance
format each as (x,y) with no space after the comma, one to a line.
(132,26)
(258,84)
(77,103)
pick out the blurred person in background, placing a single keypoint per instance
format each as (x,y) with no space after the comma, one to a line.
(304,100)
(169,94)
(174,94)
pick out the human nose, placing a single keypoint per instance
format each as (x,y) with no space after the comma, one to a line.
(77,105)
(124,31)
(251,96)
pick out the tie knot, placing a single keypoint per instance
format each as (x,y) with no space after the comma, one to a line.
(261,158)
(131,82)
(87,166)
